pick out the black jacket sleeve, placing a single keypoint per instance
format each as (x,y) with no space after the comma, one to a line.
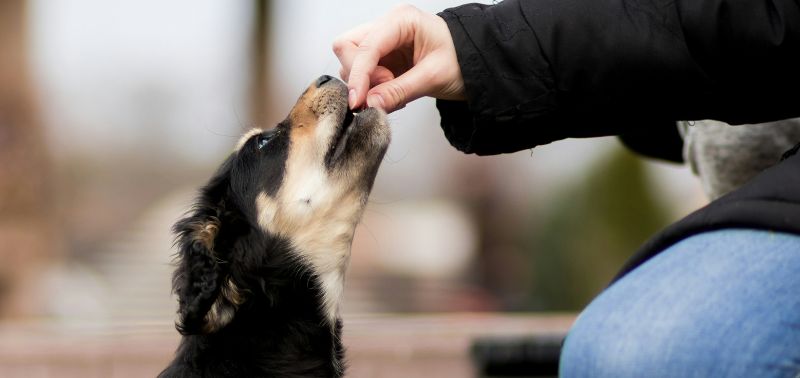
(536,71)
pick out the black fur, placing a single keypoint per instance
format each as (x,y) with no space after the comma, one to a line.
(277,327)
(250,304)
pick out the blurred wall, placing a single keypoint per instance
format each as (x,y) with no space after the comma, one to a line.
(28,239)
(141,100)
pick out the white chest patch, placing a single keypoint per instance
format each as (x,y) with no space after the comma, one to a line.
(317,214)
(321,237)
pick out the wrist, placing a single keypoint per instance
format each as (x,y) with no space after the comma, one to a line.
(453,86)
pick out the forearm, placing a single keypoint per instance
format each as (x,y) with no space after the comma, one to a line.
(570,68)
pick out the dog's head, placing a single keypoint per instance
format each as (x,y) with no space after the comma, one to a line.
(290,194)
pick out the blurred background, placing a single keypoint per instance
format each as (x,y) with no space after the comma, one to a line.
(113,113)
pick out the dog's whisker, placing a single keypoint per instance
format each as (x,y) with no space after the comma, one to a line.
(384,202)
(366,227)
(388,159)
(253,253)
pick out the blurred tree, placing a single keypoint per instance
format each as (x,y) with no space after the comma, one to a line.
(499,267)
(260,108)
(28,240)
(585,236)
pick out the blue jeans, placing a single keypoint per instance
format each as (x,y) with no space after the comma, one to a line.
(718,304)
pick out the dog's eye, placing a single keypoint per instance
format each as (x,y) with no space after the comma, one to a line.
(262,141)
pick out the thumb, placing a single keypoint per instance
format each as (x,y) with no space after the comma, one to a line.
(395,94)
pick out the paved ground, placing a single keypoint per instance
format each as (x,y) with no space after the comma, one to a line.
(430,345)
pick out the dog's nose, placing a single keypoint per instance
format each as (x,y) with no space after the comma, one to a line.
(322,80)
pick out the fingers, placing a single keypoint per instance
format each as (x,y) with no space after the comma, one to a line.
(364,63)
(346,45)
(380,75)
(395,30)
(372,55)
(347,48)
(394,94)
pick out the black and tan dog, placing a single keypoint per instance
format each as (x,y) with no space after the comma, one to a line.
(263,253)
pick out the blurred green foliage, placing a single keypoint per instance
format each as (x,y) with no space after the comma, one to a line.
(579,242)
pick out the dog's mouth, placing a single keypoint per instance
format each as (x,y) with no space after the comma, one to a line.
(360,135)
(350,121)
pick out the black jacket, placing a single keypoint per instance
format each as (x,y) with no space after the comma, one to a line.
(536,71)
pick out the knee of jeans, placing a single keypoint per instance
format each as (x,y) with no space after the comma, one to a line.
(597,346)
(583,351)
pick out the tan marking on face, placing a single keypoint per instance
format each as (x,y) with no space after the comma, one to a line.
(315,208)
(302,117)
(247,137)
(314,121)
(318,213)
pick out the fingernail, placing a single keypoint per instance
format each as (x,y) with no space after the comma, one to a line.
(375,101)
(351,98)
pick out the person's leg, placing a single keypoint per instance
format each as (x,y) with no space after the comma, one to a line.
(718,304)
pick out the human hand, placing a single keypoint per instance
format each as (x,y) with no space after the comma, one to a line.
(402,56)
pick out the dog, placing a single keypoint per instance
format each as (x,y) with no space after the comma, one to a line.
(263,252)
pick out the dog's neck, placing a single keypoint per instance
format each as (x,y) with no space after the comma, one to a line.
(294,323)
(328,259)
(284,330)
(321,238)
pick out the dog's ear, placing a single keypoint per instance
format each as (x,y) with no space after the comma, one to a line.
(207,298)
